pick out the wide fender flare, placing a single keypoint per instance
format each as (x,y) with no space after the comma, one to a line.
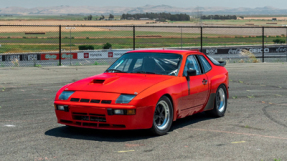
(216,81)
(151,96)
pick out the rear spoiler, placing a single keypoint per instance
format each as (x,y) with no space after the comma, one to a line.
(222,63)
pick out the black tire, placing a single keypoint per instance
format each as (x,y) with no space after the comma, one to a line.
(163,113)
(220,102)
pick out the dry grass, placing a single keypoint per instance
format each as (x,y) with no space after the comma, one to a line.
(15,62)
(251,56)
(264,18)
(6,29)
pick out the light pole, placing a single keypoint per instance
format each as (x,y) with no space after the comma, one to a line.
(181,37)
(70,28)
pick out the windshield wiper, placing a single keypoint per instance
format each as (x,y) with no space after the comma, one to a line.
(115,71)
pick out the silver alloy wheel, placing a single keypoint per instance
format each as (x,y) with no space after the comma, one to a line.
(220,100)
(161,115)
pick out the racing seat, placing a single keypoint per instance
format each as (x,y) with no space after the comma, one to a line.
(150,65)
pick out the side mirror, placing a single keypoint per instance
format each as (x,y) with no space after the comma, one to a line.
(190,72)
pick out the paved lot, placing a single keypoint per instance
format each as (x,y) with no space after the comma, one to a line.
(254,127)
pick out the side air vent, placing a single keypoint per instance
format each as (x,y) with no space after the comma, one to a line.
(75,99)
(95,101)
(106,101)
(85,100)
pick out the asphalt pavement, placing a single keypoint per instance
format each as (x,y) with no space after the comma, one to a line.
(254,127)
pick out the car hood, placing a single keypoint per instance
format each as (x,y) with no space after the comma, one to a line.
(118,83)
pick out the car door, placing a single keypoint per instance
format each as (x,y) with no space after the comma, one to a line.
(197,88)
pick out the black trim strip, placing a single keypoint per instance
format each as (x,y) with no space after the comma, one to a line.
(210,103)
(200,64)
(188,86)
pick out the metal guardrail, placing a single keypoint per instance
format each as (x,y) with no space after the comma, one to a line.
(58,39)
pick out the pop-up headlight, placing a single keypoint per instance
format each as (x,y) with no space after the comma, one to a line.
(125,98)
(65,95)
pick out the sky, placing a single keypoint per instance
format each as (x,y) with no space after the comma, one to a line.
(138,3)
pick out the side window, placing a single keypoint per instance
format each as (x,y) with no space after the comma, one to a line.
(205,63)
(191,63)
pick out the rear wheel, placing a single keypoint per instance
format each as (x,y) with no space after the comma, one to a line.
(220,102)
(163,115)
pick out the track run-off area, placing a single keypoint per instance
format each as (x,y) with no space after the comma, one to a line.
(253,128)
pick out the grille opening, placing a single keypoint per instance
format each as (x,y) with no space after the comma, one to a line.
(85,100)
(92,114)
(66,121)
(95,101)
(98,119)
(106,101)
(99,81)
(89,117)
(84,118)
(77,113)
(75,99)
(90,124)
(104,125)
(119,126)
(78,123)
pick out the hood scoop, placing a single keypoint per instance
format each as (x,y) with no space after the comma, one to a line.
(104,80)
(97,81)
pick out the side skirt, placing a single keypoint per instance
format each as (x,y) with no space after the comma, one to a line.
(210,103)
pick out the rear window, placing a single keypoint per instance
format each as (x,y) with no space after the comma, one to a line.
(213,60)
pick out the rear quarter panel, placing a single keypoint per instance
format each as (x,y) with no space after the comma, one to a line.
(217,76)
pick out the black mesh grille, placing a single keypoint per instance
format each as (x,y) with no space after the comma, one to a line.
(89,117)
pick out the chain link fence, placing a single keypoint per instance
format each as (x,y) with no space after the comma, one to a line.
(43,45)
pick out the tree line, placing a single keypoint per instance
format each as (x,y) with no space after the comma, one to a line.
(102,17)
(157,16)
(219,17)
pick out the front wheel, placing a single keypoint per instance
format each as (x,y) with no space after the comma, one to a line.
(220,102)
(163,116)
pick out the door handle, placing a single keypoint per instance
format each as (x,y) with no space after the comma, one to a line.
(204,81)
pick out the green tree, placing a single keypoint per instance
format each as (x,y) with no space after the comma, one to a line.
(111,16)
(102,17)
(107,46)
(90,17)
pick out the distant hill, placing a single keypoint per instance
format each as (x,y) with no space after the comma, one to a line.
(61,10)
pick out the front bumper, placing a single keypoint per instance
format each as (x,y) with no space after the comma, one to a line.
(96,117)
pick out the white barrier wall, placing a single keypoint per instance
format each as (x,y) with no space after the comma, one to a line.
(100,54)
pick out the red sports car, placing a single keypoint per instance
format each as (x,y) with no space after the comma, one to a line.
(146,89)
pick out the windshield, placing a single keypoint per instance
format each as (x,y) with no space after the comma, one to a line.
(148,63)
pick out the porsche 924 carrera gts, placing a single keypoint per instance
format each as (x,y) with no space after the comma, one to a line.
(146,89)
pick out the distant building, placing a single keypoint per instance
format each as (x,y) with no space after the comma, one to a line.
(144,18)
(130,18)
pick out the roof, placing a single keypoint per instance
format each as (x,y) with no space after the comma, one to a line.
(182,52)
